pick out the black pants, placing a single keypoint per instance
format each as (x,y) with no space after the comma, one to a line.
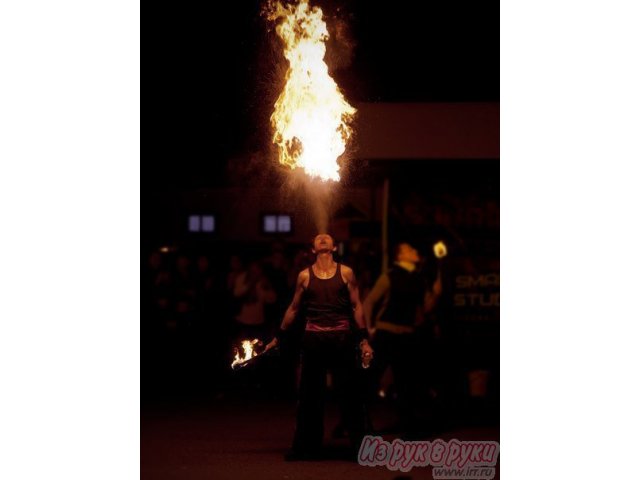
(400,352)
(334,352)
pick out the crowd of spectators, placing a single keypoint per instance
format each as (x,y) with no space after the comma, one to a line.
(199,303)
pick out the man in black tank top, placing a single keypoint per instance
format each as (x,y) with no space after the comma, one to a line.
(329,293)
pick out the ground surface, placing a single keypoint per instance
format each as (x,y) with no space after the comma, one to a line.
(222,438)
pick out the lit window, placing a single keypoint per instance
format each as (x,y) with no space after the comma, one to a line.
(276,223)
(202,223)
(284,223)
(208,223)
(194,223)
(270,224)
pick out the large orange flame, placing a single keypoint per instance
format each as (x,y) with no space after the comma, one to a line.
(311,117)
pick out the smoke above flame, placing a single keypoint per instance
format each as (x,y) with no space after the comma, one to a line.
(311,116)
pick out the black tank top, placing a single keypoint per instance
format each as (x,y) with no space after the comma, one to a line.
(327,303)
(405,297)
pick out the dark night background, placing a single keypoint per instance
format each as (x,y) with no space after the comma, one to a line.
(213,64)
(213,71)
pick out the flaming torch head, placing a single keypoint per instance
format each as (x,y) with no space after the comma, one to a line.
(440,250)
(248,352)
(311,116)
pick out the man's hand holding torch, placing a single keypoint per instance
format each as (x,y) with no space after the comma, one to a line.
(272,344)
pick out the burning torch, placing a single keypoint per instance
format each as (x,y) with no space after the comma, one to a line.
(250,354)
(440,251)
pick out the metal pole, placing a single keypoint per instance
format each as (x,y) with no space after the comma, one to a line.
(385,225)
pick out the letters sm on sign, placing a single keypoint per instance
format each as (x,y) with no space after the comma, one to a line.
(477,296)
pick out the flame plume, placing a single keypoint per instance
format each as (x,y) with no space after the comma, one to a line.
(311,116)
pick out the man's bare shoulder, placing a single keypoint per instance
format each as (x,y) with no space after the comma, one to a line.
(347,269)
(303,276)
(347,272)
(304,273)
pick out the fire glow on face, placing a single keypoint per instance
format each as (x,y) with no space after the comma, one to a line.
(311,116)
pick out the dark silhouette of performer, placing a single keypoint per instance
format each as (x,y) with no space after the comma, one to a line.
(399,299)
